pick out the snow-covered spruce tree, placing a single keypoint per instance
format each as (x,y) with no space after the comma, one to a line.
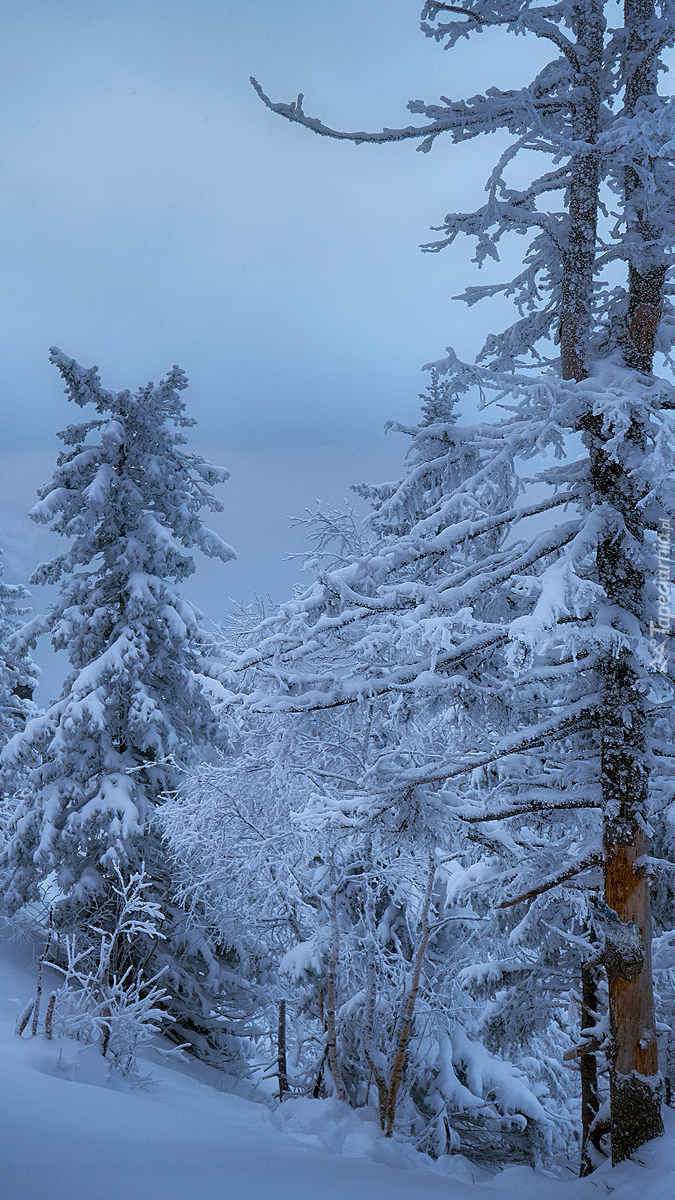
(594,111)
(137,703)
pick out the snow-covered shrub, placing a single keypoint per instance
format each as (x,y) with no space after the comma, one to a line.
(103,1002)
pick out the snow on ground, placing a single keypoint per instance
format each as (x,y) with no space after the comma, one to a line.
(69,1132)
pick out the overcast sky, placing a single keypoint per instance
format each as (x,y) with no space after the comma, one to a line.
(152,211)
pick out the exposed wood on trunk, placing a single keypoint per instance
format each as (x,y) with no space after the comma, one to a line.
(635,1107)
(634,1102)
(633,1064)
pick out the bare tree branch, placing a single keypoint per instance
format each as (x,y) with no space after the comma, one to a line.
(454,8)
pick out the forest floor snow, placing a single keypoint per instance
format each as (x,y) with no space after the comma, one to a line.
(68,1131)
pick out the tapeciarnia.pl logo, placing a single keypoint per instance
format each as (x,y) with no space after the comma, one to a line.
(659,630)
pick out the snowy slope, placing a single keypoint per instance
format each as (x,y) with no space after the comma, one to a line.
(68,1133)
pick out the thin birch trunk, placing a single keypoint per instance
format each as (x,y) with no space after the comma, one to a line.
(281,1051)
(409,1009)
(38,988)
(369,1015)
(590,1100)
(316,1090)
(331,1001)
(49,1017)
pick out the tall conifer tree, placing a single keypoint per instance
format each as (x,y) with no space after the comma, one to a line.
(583,685)
(137,703)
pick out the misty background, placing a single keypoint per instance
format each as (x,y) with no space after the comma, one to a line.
(153,212)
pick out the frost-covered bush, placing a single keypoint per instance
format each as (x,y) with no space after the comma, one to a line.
(101,1001)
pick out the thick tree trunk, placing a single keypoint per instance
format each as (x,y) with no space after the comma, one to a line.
(580,247)
(634,1091)
(647,272)
(634,1078)
(633,1068)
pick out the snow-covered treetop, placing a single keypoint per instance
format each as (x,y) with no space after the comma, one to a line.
(594,113)
(129,468)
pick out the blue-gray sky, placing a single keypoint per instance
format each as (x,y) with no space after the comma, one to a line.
(152,211)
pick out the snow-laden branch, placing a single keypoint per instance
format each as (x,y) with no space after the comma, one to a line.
(464,119)
(401,679)
(576,716)
(528,19)
(526,809)
(586,864)
(294,112)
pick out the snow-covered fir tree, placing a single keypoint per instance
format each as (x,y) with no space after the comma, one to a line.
(137,703)
(559,614)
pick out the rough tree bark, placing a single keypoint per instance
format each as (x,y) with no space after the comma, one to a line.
(580,247)
(634,1092)
(634,1080)
(647,270)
